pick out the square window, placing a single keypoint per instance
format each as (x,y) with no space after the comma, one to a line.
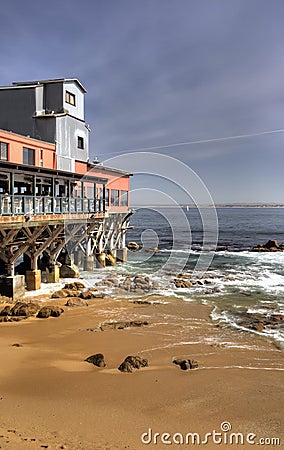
(123,198)
(70,98)
(80,142)
(114,197)
(28,156)
(3,151)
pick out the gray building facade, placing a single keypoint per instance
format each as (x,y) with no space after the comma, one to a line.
(49,110)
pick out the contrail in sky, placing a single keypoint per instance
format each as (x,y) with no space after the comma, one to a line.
(202,141)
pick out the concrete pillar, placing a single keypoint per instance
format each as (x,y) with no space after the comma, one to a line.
(89,263)
(12,286)
(52,274)
(78,258)
(10,269)
(113,252)
(72,259)
(33,280)
(100,260)
(121,254)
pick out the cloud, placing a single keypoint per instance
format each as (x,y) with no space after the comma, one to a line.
(163,72)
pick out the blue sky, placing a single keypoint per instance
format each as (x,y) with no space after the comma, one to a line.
(161,72)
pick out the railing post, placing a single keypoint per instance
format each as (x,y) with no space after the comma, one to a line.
(34,194)
(69,196)
(53,195)
(12,186)
(95,197)
(104,198)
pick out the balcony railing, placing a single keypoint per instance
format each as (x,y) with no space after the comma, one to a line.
(27,204)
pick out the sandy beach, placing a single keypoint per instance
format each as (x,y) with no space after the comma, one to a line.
(51,398)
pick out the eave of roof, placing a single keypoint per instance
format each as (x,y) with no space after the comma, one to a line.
(103,168)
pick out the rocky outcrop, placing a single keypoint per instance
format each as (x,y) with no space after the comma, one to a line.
(90,294)
(133,246)
(97,359)
(65,293)
(181,283)
(106,326)
(138,284)
(270,246)
(186,364)
(12,318)
(24,309)
(75,286)
(108,282)
(258,322)
(132,363)
(75,290)
(69,271)
(20,309)
(50,311)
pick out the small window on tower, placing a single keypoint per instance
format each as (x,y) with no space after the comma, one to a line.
(70,98)
(80,142)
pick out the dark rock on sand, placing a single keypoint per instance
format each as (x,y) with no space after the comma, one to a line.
(20,309)
(75,286)
(12,318)
(90,293)
(131,363)
(97,359)
(4,318)
(47,311)
(24,309)
(121,325)
(65,293)
(186,364)
(76,302)
(141,302)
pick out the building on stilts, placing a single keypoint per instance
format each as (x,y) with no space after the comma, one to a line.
(57,210)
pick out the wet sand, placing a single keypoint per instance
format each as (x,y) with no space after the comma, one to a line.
(51,398)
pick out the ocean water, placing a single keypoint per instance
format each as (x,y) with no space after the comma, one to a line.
(232,279)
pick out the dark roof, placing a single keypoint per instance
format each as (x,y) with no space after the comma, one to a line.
(56,80)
